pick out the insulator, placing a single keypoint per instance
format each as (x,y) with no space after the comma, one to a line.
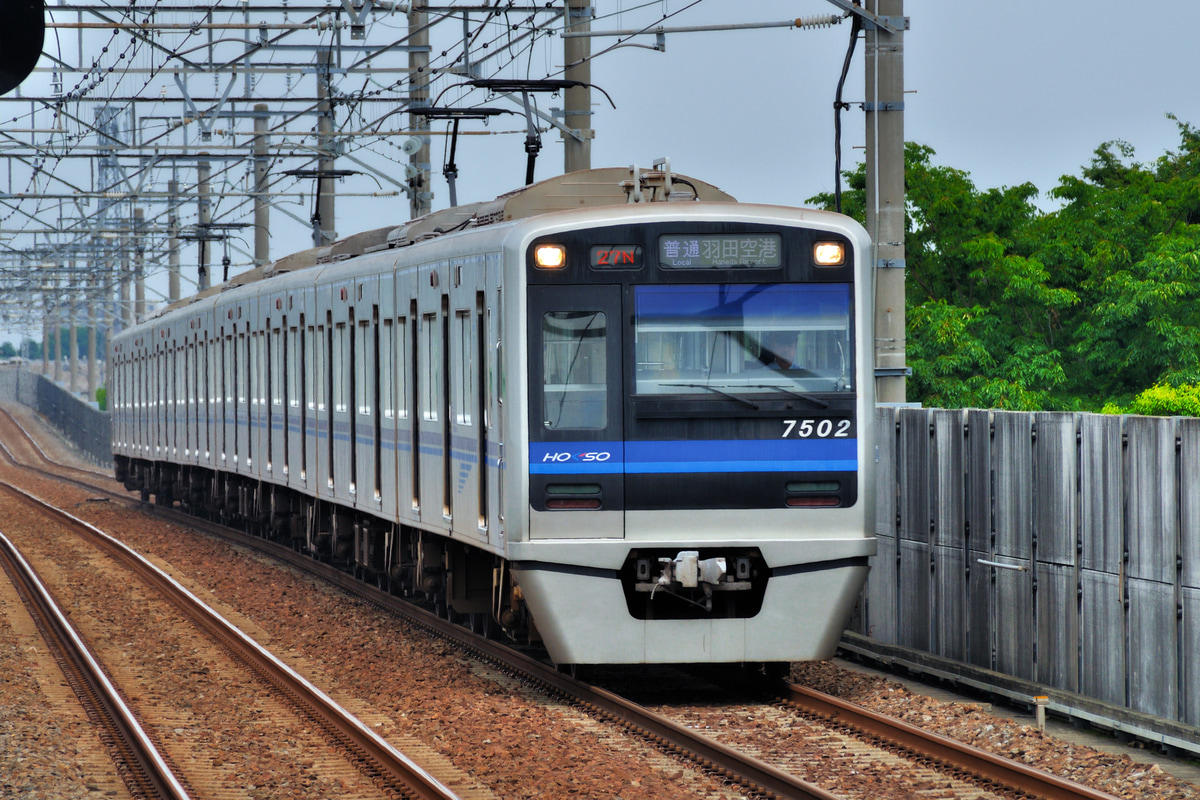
(822,21)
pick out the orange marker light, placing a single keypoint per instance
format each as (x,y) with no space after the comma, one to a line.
(550,256)
(829,254)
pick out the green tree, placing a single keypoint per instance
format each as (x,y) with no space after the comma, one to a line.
(1093,303)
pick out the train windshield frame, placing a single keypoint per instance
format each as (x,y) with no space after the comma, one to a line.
(743,338)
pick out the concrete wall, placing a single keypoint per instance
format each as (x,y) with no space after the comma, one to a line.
(1095,523)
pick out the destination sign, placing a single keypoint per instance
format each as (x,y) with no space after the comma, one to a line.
(712,250)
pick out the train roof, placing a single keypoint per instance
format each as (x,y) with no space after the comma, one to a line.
(591,188)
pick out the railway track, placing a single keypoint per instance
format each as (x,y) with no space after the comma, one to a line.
(757,777)
(392,772)
(139,763)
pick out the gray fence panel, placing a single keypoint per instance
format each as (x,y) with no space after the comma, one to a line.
(1058,627)
(1056,517)
(979,481)
(1189,505)
(1102,493)
(1102,637)
(885,471)
(1191,655)
(1015,631)
(948,606)
(1013,504)
(912,474)
(913,605)
(947,479)
(881,610)
(1151,524)
(1153,648)
(981,614)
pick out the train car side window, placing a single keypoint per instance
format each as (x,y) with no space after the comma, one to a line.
(364,359)
(293,372)
(464,391)
(403,368)
(433,360)
(387,376)
(340,346)
(575,392)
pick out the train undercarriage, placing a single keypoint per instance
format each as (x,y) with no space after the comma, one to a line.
(455,580)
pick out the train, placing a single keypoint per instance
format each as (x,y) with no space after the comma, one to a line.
(617,411)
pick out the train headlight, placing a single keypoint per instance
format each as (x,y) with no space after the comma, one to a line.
(829,254)
(550,256)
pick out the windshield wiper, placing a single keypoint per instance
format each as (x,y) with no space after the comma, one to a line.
(730,395)
(816,401)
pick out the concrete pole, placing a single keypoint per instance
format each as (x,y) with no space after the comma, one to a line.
(420,198)
(577,101)
(204,206)
(173,241)
(325,230)
(45,341)
(262,208)
(885,195)
(92,384)
(72,330)
(125,269)
(52,315)
(139,266)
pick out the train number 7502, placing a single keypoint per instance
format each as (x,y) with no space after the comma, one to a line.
(818,429)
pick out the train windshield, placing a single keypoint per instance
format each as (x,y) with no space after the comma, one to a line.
(744,339)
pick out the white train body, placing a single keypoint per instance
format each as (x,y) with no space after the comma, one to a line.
(605,448)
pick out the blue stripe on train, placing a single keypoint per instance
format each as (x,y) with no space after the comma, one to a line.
(769,455)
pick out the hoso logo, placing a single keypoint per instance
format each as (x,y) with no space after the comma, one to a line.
(560,458)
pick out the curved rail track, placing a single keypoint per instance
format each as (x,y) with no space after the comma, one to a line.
(389,769)
(757,777)
(145,772)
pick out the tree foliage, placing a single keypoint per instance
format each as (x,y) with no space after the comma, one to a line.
(1090,304)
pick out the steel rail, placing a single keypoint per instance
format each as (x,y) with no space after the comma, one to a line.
(995,768)
(661,732)
(138,762)
(1003,771)
(372,754)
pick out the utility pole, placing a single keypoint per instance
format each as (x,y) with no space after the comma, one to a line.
(885,193)
(139,271)
(577,100)
(172,240)
(204,226)
(324,227)
(420,196)
(91,339)
(262,209)
(73,335)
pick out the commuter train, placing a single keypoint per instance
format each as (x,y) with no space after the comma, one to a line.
(616,410)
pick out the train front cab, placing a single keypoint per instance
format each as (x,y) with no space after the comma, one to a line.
(690,500)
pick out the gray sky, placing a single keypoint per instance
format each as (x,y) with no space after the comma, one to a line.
(1010,91)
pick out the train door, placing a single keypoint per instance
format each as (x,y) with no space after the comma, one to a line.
(341,375)
(467,422)
(365,405)
(386,419)
(431,425)
(293,399)
(276,406)
(576,439)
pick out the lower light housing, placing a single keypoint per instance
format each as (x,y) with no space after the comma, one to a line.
(572,503)
(814,502)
